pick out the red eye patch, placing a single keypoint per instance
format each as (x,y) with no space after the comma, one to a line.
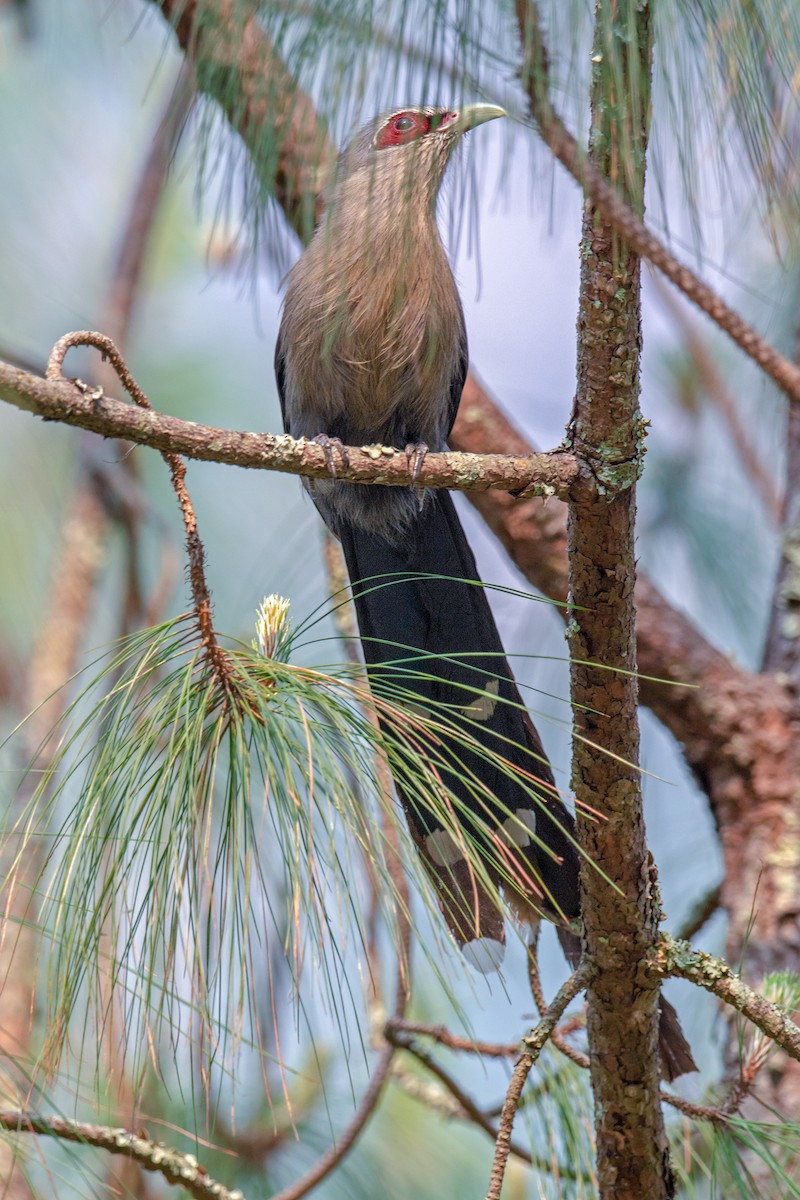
(401,128)
(408,126)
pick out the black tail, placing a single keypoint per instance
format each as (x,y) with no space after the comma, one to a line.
(431,643)
(429,638)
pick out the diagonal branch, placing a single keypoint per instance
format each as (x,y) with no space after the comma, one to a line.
(224,38)
(442,1035)
(681,960)
(403,1041)
(713,706)
(716,388)
(176,1168)
(534,1043)
(622,217)
(217,659)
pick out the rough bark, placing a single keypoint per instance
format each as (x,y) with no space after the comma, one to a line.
(619,897)
(782,651)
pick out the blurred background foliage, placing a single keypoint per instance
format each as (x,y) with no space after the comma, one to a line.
(82,88)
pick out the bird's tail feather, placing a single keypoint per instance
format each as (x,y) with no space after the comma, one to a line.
(432,646)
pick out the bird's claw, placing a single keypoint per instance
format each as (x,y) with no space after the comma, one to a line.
(416,453)
(329,444)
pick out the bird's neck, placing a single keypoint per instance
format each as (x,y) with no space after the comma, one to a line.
(372,224)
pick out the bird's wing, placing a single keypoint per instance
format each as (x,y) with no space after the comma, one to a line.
(280,376)
(457,382)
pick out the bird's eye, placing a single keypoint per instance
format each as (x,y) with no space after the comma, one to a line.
(403,127)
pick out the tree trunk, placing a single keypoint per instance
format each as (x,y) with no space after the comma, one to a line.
(620,905)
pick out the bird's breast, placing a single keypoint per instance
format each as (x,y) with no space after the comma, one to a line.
(378,346)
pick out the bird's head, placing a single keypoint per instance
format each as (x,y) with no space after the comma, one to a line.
(410,147)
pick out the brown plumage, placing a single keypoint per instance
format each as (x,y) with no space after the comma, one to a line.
(372,323)
(372,349)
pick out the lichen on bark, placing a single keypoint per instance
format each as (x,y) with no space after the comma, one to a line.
(620,902)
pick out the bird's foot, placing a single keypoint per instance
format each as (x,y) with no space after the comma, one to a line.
(329,444)
(416,453)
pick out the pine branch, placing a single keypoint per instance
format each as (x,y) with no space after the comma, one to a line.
(223,37)
(73,403)
(687,683)
(679,959)
(176,1168)
(622,217)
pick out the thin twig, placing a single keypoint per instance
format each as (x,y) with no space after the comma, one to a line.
(176,1168)
(537,991)
(442,1035)
(719,394)
(720,1114)
(217,658)
(446,1103)
(534,1043)
(113,480)
(622,217)
(717,1114)
(471,1110)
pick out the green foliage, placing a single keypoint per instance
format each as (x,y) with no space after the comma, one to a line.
(555,1119)
(189,826)
(739,1159)
(176,796)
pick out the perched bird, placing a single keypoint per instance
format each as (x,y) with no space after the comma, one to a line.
(372,349)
